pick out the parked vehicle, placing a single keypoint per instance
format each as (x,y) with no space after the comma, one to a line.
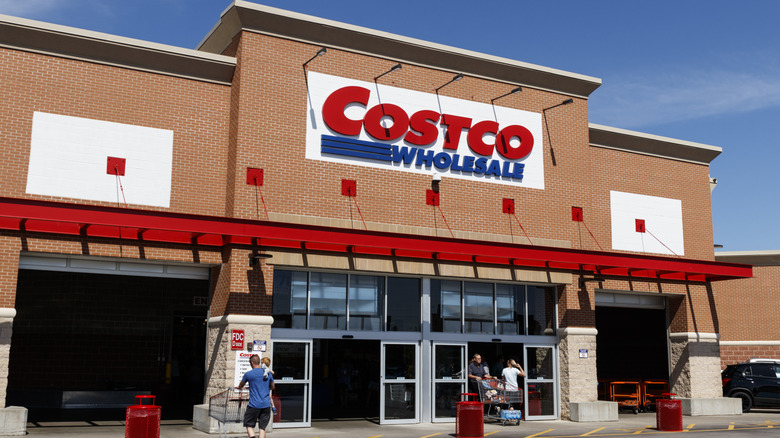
(756,383)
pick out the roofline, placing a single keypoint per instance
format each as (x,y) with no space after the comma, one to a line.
(69,42)
(252,17)
(755,258)
(654,145)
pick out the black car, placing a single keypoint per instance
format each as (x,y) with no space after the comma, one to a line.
(756,382)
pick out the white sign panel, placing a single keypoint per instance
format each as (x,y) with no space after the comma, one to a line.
(69,158)
(371,125)
(662,222)
(242,366)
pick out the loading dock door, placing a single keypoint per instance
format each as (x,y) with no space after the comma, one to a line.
(112,337)
(632,341)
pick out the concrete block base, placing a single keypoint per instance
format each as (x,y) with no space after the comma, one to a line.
(711,406)
(13,421)
(203,422)
(594,411)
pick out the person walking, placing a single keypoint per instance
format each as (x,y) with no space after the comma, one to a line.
(258,412)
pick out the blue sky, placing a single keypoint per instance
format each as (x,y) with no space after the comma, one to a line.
(696,70)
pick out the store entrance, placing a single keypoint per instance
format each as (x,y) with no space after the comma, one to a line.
(345,379)
(495,355)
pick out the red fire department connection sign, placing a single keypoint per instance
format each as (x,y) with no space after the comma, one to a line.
(237,340)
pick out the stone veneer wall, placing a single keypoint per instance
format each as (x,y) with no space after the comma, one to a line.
(695,365)
(578,376)
(6,326)
(221,360)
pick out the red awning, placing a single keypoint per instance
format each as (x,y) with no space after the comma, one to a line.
(155,226)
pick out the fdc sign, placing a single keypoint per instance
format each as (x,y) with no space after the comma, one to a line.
(237,340)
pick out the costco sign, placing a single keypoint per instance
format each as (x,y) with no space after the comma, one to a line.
(373,125)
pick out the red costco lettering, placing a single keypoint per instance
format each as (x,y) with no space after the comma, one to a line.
(421,128)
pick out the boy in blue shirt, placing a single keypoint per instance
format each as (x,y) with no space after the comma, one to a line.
(258,412)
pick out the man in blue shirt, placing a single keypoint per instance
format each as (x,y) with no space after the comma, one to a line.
(258,412)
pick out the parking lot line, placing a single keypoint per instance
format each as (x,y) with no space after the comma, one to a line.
(593,431)
(540,433)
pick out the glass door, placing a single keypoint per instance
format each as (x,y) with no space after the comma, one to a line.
(291,362)
(540,392)
(399,393)
(449,380)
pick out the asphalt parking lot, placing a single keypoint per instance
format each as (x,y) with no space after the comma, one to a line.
(756,423)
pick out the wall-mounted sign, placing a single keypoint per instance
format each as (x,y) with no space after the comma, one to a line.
(236,339)
(259,346)
(583,354)
(422,133)
(242,366)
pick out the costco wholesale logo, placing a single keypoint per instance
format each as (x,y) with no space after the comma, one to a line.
(367,124)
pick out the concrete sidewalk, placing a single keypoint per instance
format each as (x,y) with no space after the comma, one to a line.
(764,422)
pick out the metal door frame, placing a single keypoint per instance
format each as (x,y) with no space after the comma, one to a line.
(293,381)
(463,379)
(554,379)
(415,381)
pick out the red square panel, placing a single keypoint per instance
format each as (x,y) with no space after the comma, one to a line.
(254,177)
(576,214)
(349,187)
(431,197)
(508,206)
(640,225)
(115,166)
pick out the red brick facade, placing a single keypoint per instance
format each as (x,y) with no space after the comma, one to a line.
(257,119)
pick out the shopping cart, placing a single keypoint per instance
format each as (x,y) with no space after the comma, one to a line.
(651,391)
(228,406)
(499,401)
(626,394)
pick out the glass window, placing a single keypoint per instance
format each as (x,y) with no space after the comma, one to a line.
(540,310)
(445,306)
(478,307)
(328,301)
(540,362)
(403,304)
(289,299)
(449,360)
(366,299)
(510,303)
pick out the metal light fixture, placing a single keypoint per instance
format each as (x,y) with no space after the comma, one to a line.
(544,116)
(320,52)
(457,77)
(516,90)
(394,68)
(254,258)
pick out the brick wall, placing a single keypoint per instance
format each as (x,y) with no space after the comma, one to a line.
(747,308)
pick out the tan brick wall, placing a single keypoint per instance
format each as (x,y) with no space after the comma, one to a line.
(731,354)
(747,308)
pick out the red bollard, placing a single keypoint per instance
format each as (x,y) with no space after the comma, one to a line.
(469,417)
(668,413)
(143,421)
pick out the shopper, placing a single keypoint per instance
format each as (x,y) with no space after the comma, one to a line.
(511,384)
(510,374)
(258,412)
(477,372)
